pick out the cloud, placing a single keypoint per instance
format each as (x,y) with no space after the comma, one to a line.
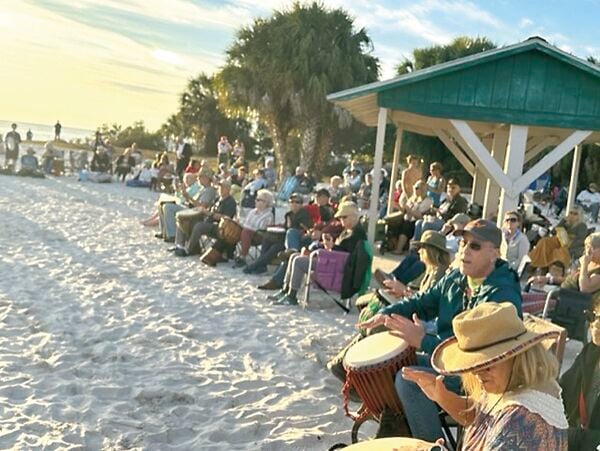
(525,22)
(173,11)
(139,88)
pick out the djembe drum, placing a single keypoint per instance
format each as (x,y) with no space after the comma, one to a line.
(371,365)
(391,444)
(229,231)
(187,219)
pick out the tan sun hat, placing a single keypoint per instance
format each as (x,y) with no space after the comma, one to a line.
(484,336)
(433,239)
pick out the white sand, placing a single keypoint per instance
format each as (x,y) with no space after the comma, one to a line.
(107,341)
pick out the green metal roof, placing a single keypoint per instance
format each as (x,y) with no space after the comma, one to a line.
(530,83)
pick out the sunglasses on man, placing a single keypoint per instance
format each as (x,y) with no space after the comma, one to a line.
(511,219)
(473,245)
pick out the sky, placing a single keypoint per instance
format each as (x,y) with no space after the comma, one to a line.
(89,62)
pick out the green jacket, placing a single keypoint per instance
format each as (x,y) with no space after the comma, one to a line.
(449,297)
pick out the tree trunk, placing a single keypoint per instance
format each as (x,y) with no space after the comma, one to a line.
(310,137)
(279,139)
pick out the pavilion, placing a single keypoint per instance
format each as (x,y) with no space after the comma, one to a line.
(495,111)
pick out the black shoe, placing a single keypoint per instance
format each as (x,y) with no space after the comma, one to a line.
(158,235)
(288,299)
(239,262)
(172,249)
(169,240)
(270,285)
(392,424)
(181,252)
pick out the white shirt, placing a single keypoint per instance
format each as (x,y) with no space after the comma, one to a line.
(588,198)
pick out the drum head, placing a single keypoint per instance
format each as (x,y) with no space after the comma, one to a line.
(374,349)
(389,444)
(276,229)
(188,213)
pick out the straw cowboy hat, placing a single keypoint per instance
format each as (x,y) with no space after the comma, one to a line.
(484,336)
(433,239)
(347,209)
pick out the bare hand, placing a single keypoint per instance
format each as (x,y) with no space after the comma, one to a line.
(410,331)
(431,384)
(375,321)
(395,287)
(585,260)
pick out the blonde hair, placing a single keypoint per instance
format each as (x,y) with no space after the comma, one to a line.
(535,367)
(593,240)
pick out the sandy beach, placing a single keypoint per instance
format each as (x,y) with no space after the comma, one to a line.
(109,342)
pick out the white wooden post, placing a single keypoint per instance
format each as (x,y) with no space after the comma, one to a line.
(574,177)
(480,180)
(378,160)
(513,167)
(492,191)
(395,163)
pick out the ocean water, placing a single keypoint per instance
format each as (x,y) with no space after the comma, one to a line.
(45,132)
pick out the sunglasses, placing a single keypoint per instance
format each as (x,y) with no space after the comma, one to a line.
(511,219)
(473,245)
(574,213)
(591,316)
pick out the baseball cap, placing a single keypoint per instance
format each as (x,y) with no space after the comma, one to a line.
(483,230)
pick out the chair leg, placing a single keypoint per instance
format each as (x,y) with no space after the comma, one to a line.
(308,281)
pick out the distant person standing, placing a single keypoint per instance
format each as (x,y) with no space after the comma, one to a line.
(184,155)
(98,142)
(223,150)
(239,152)
(29,135)
(12,140)
(57,129)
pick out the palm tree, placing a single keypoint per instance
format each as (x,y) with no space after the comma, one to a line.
(283,67)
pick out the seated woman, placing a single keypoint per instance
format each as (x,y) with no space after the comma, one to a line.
(257,219)
(565,246)
(436,183)
(587,278)
(581,390)
(29,165)
(348,240)
(515,245)
(402,223)
(436,259)
(513,400)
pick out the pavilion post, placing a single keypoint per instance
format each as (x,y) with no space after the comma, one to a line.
(480,180)
(492,192)
(395,163)
(513,167)
(574,177)
(378,160)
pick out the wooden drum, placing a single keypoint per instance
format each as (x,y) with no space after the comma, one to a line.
(187,219)
(229,231)
(371,365)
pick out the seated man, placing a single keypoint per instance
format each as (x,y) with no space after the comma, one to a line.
(100,166)
(453,204)
(481,277)
(296,218)
(205,197)
(296,238)
(581,390)
(29,165)
(305,181)
(348,240)
(589,199)
(225,206)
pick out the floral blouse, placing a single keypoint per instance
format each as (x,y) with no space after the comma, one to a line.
(529,420)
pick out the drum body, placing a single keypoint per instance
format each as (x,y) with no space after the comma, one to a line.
(229,231)
(276,234)
(391,444)
(371,366)
(187,219)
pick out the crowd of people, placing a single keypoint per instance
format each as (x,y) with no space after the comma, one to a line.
(455,297)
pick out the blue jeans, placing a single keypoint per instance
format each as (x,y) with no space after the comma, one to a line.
(295,239)
(421,226)
(422,414)
(409,269)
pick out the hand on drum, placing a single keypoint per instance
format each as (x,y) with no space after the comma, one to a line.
(431,384)
(375,321)
(411,331)
(395,288)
